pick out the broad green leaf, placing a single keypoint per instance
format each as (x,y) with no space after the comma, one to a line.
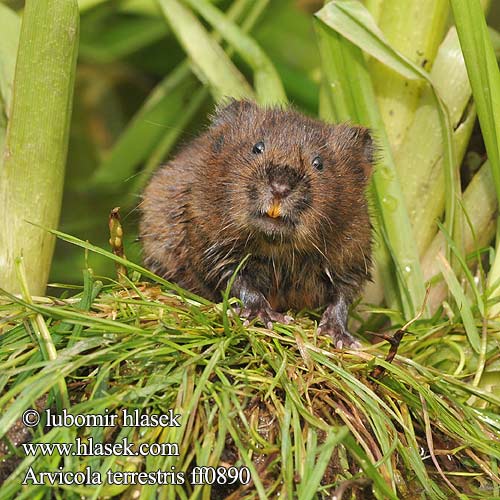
(209,61)
(351,19)
(267,83)
(31,180)
(422,168)
(480,205)
(414,28)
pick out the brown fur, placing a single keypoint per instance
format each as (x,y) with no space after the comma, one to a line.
(204,211)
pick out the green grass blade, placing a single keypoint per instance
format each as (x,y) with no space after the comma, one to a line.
(208,59)
(286,447)
(463,303)
(157,125)
(308,488)
(35,148)
(466,272)
(247,398)
(127,263)
(384,491)
(267,83)
(484,77)
(44,338)
(167,142)
(127,35)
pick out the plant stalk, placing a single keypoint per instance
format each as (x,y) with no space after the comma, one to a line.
(31,180)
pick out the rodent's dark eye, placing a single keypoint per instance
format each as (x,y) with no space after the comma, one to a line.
(317,163)
(258,148)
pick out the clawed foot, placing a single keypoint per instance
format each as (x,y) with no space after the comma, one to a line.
(265,315)
(341,337)
(333,323)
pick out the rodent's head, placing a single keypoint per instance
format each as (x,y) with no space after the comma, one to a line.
(286,178)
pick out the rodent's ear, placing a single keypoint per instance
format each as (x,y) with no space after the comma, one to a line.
(231,110)
(366,142)
(362,142)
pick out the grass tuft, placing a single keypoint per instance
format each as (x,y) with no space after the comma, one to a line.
(305,418)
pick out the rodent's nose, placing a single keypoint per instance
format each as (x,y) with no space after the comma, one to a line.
(280,189)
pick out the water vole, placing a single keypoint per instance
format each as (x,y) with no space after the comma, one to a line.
(286,189)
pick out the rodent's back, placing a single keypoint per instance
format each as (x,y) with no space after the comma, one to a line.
(164,226)
(287,189)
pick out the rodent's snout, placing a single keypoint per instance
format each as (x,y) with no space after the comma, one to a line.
(280,189)
(282,180)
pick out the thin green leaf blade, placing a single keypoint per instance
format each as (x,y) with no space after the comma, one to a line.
(484,77)
(209,61)
(353,21)
(310,486)
(267,82)
(462,301)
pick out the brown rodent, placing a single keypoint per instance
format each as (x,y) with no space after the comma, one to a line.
(286,189)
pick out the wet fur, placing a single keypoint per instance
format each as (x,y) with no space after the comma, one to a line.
(202,212)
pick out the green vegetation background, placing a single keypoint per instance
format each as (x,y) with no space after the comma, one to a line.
(331,419)
(113,80)
(107,94)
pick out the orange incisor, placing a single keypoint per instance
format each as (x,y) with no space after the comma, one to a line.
(274,209)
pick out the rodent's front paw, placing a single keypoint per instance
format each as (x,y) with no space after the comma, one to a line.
(340,335)
(265,315)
